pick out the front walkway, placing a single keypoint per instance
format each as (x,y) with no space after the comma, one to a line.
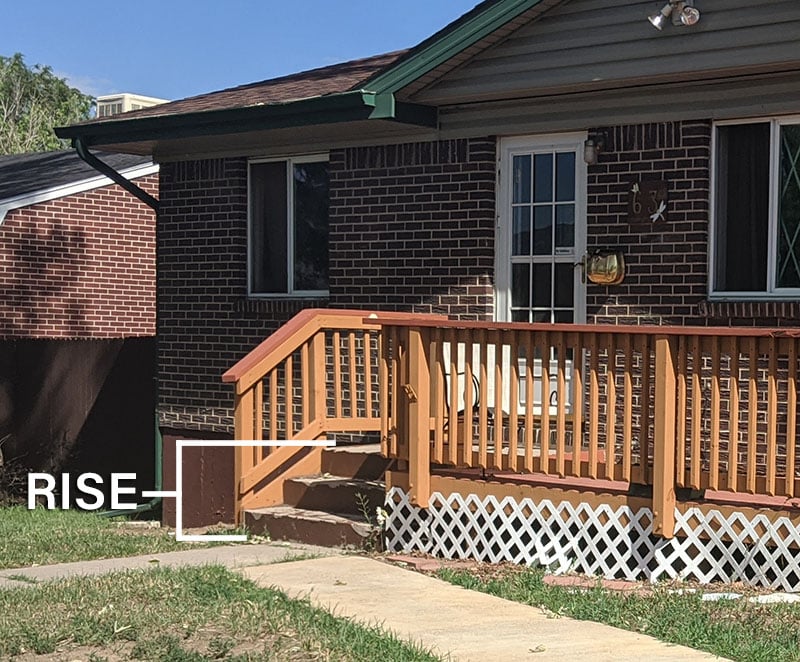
(467,625)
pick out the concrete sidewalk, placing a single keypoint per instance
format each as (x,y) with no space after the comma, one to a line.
(449,619)
(231,556)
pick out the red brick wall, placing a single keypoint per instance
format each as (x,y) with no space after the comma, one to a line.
(81,266)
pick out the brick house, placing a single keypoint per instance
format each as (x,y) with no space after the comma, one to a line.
(470,177)
(78,315)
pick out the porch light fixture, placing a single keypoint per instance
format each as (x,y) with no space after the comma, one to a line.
(592,147)
(682,12)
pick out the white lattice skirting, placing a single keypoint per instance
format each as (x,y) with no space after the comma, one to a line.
(598,540)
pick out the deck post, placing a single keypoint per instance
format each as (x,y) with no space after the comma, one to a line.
(665,439)
(242,430)
(417,392)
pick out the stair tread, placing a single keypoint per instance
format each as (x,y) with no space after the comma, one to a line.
(335,481)
(284,510)
(367,449)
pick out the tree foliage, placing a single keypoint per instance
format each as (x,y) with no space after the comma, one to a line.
(33,100)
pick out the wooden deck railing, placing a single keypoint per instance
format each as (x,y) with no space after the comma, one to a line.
(316,375)
(664,407)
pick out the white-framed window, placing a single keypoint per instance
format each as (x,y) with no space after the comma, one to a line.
(755,234)
(288,227)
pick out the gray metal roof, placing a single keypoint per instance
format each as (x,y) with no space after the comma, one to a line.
(22,174)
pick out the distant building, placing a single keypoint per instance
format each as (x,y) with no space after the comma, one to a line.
(113,104)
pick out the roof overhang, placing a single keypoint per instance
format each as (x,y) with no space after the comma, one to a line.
(317,111)
(55,192)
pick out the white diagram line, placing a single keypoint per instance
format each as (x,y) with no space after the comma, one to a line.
(194,443)
(160,493)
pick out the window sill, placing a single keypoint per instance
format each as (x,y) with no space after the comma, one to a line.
(285,304)
(763,309)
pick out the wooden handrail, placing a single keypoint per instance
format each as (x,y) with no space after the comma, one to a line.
(429,321)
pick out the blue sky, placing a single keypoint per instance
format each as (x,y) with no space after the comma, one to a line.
(177,48)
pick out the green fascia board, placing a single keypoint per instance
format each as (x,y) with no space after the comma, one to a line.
(334,108)
(439,49)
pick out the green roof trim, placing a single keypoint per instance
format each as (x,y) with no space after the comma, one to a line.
(345,107)
(447,43)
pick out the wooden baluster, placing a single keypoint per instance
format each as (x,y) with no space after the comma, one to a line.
(243,431)
(627,416)
(644,348)
(497,461)
(594,405)
(513,400)
(561,397)
(469,396)
(337,374)
(752,413)
(452,430)
(383,391)
(318,378)
(733,441)
(772,415)
(483,406)
(791,416)
(664,438)
(352,373)
(576,344)
(258,412)
(368,375)
(544,350)
(305,388)
(611,405)
(419,417)
(398,421)
(273,404)
(697,404)
(713,479)
(530,433)
(288,394)
(680,451)
(439,394)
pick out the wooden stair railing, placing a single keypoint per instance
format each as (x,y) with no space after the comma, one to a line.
(316,375)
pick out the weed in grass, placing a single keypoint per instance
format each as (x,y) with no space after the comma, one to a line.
(22,578)
(737,630)
(181,615)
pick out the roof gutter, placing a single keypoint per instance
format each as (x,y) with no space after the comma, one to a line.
(113,175)
(334,108)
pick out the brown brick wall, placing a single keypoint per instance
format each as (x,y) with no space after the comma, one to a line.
(667,263)
(82,266)
(411,228)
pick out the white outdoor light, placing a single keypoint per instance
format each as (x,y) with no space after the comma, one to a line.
(682,12)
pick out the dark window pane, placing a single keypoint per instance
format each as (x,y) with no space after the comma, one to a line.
(565,176)
(543,230)
(310,226)
(565,226)
(565,286)
(520,285)
(542,285)
(522,179)
(564,317)
(542,316)
(543,178)
(268,258)
(521,239)
(519,315)
(789,209)
(742,209)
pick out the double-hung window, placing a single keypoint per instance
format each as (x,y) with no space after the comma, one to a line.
(756,232)
(288,227)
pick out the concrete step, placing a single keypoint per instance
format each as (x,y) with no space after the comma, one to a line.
(357,461)
(335,494)
(313,527)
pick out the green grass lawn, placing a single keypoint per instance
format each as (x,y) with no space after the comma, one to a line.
(184,615)
(39,537)
(734,629)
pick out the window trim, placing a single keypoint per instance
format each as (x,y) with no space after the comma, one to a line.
(771,292)
(292,293)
